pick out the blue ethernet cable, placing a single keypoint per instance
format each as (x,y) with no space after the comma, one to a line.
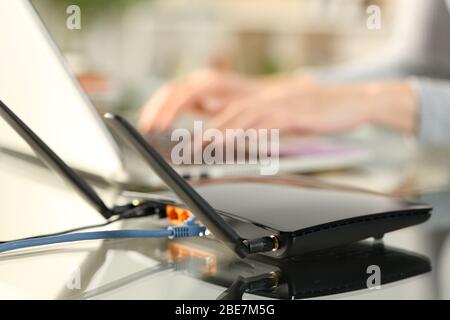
(189,229)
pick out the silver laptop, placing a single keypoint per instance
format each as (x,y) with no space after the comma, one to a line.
(37,83)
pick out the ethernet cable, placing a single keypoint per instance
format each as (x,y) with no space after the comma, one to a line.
(190,229)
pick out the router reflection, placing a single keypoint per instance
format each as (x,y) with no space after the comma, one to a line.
(334,271)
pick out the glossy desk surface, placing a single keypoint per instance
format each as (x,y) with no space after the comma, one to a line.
(412,261)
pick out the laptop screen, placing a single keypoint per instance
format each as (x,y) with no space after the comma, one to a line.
(37,84)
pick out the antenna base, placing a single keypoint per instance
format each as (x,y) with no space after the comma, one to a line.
(264,244)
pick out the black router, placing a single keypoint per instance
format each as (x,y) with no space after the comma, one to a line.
(236,215)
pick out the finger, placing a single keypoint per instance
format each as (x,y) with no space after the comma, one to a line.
(150,111)
(243,114)
(276,122)
(228,115)
(164,108)
(159,113)
(238,111)
(202,98)
(184,100)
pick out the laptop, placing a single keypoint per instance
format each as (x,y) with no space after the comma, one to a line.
(36,80)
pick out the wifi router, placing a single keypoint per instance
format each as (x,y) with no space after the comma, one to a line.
(280,219)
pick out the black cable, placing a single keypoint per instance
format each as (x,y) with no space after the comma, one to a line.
(67,231)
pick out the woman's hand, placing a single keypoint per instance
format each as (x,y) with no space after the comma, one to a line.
(323,109)
(295,105)
(207,91)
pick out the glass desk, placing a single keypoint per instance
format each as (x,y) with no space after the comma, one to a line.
(412,261)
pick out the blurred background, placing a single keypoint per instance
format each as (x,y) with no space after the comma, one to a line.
(126,49)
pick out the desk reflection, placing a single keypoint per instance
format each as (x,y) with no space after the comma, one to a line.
(340,270)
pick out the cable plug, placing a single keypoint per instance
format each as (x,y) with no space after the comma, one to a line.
(138,209)
(189,229)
